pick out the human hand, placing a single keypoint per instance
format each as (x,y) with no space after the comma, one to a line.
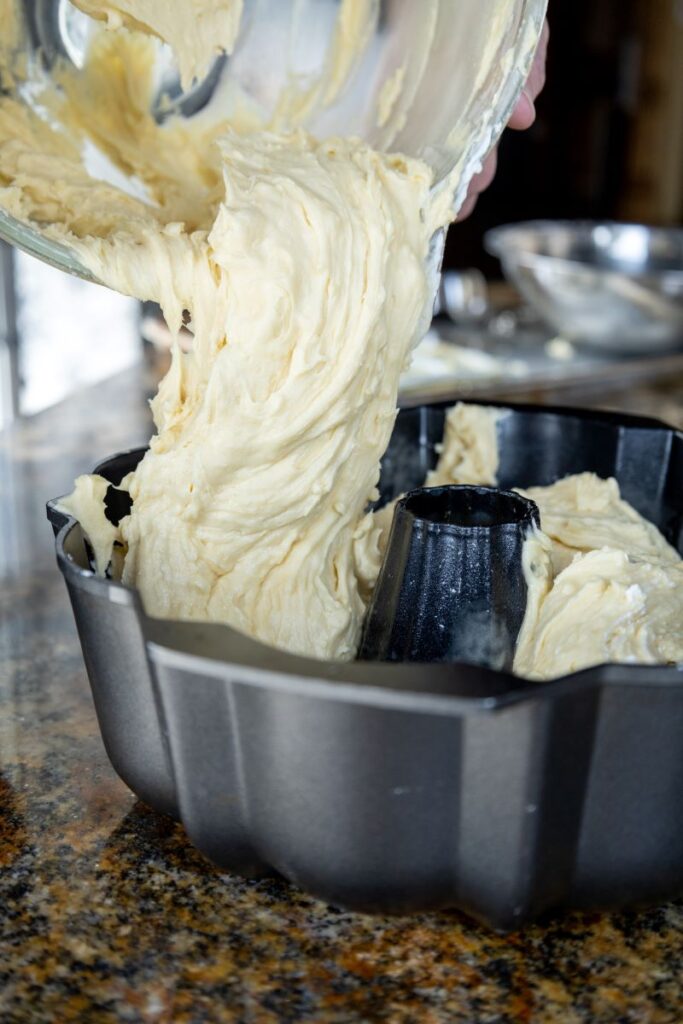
(522,118)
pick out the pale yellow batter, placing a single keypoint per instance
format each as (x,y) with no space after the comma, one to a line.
(469,451)
(604,584)
(584,513)
(606,606)
(611,589)
(303,266)
(251,506)
(196,30)
(86,504)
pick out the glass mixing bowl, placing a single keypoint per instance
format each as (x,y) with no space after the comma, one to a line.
(438,79)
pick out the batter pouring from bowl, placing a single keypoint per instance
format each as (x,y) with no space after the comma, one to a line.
(305,269)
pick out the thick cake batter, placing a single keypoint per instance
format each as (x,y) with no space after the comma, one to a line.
(604,584)
(196,30)
(612,590)
(469,450)
(303,266)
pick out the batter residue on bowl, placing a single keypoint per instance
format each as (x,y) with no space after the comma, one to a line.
(304,267)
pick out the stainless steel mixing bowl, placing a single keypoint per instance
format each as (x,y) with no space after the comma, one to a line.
(616,286)
(463,64)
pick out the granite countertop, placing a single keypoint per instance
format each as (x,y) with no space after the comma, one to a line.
(108,914)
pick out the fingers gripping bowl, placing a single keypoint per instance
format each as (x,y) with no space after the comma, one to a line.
(400,787)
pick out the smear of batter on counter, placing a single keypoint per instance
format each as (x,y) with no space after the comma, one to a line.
(304,267)
(603,583)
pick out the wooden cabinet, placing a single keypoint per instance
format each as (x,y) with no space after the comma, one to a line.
(653,185)
(608,141)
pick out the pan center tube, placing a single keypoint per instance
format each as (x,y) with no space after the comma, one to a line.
(452,585)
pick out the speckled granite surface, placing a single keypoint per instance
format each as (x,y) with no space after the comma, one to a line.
(107,913)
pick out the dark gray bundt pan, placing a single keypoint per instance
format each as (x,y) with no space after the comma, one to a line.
(401,787)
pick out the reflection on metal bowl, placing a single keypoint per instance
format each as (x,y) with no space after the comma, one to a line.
(616,286)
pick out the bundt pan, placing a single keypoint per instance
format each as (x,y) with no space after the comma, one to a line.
(398,786)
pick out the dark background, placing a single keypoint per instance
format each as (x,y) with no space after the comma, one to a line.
(608,140)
